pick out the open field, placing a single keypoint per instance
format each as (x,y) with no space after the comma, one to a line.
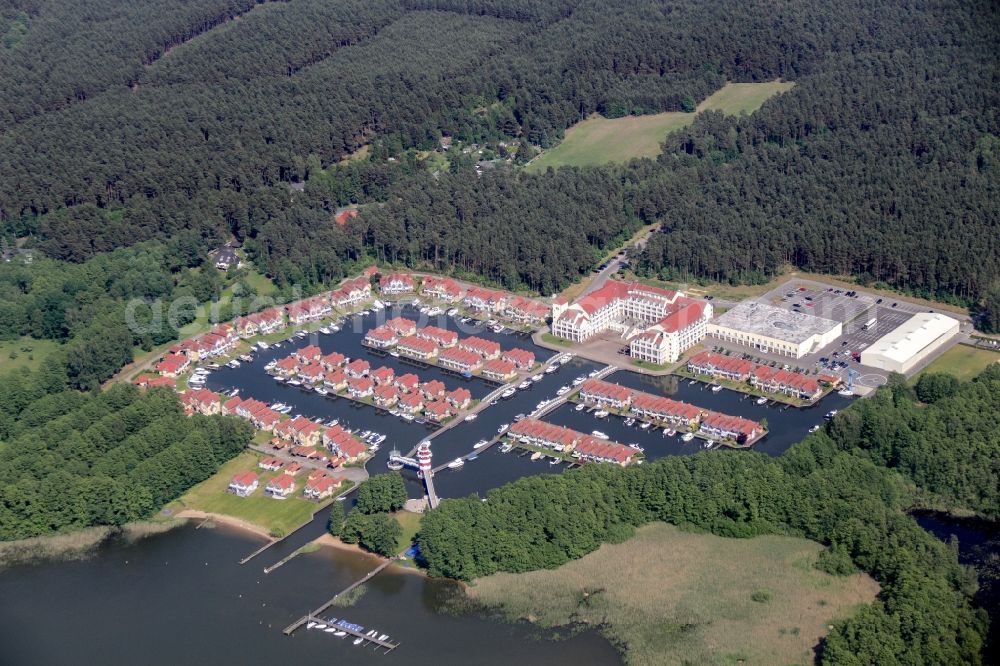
(963,361)
(278,517)
(410,522)
(27,353)
(668,596)
(599,140)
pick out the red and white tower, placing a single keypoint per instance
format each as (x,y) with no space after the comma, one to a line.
(427,471)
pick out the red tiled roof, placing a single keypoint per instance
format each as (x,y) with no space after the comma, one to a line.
(244,478)
(606,389)
(521,357)
(343,216)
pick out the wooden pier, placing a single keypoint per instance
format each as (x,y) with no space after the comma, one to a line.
(314,614)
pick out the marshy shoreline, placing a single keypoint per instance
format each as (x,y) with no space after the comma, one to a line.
(76,545)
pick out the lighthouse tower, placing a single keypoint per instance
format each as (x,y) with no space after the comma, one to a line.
(427,471)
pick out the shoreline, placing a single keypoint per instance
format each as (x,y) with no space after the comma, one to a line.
(230,521)
(331,541)
(78,544)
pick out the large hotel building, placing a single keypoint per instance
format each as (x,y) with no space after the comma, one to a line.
(660,324)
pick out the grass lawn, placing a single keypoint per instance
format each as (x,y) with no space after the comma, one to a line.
(599,140)
(963,361)
(410,523)
(279,517)
(669,597)
(650,366)
(553,340)
(27,352)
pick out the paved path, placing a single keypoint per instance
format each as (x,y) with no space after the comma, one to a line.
(355,474)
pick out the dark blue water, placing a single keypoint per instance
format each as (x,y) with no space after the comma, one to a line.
(180,598)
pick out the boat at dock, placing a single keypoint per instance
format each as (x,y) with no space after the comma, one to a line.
(508,393)
(457,463)
(646,426)
(357,641)
(716,388)
(687,437)
(580,407)
(550,369)
(830,414)
(472,417)
(537,378)
(600,414)
(480,444)
(503,428)
(506,448)
(340,634)
(536,455)
(629,421)
(815,428)
(525,384)
(599,435)
(761,400)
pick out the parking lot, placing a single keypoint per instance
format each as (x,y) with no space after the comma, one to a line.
(828,303)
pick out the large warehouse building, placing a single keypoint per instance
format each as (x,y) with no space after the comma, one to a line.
(909,344)
(775,330)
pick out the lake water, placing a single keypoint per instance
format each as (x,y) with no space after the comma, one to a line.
(181,597)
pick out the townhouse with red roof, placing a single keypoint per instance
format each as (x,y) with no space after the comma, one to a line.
(271,464)
(442,337)
(459,398)
(307,452)
(499,370)
(357,368)
(460,360)
(787,382)
(308,353)
(149,381)
(336,380)
(411,403)
(311,373)
(444,289)
(360,387)
(201,401)
(417,348)
(666,340)
(280,486)
(229,406)
(173,365)
(385,396)
(383,375)
(657,408)
(286,367)
(332,361)
(597,450)
(433,389)
(488,349)
(539,433)
(522,358)
(380,337)
(292,468)
(484,300)
(717,365)
(396,284)
(603,393)
(347,446)
(352,292)
(407,383)
(320,487)
(724,426)
(401,326)
(525,311)
(437,410)
(243,484)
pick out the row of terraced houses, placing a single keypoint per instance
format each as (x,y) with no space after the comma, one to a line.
(678,414)
(762,377)
(564,440)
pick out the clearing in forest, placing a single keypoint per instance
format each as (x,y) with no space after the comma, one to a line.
(599,140)
(962,361)
(668,596)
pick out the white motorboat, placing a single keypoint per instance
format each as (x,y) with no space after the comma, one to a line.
(407,417)
(580,407)
(263,345)
(480,444)
(506,448)
(503,428)
(830,414)
(330,630)
(452,312)
(233,364)
(707,444)
(554,461)
(319,625)
(340,634)
(599,435)
(383,637)
(321,390)
(324,330)
(456,463)
(579,380)
(508,393)
(537,378)
(716,388)
(646,426)
(563,390)
(761,400)
(310,625)
(600,414)
(294,382)
(279,378)
(541,405)
(629,421)
(687,437)
(285,409)
(394,353)
(357,641)
(525,384)
(536,455)
(212,366)
(472,417)
(815,428)
(550,369)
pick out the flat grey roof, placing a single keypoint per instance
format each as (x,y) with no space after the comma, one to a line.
(774,322)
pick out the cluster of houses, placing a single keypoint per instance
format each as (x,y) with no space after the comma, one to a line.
(467,355)
(318,486)
(761,377)
(221,340)
(300,435)
(565,440)
(382,386)
(517,309)
(660,324)
(678,414)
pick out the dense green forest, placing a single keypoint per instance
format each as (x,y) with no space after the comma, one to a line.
(70,460)
(841,487)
